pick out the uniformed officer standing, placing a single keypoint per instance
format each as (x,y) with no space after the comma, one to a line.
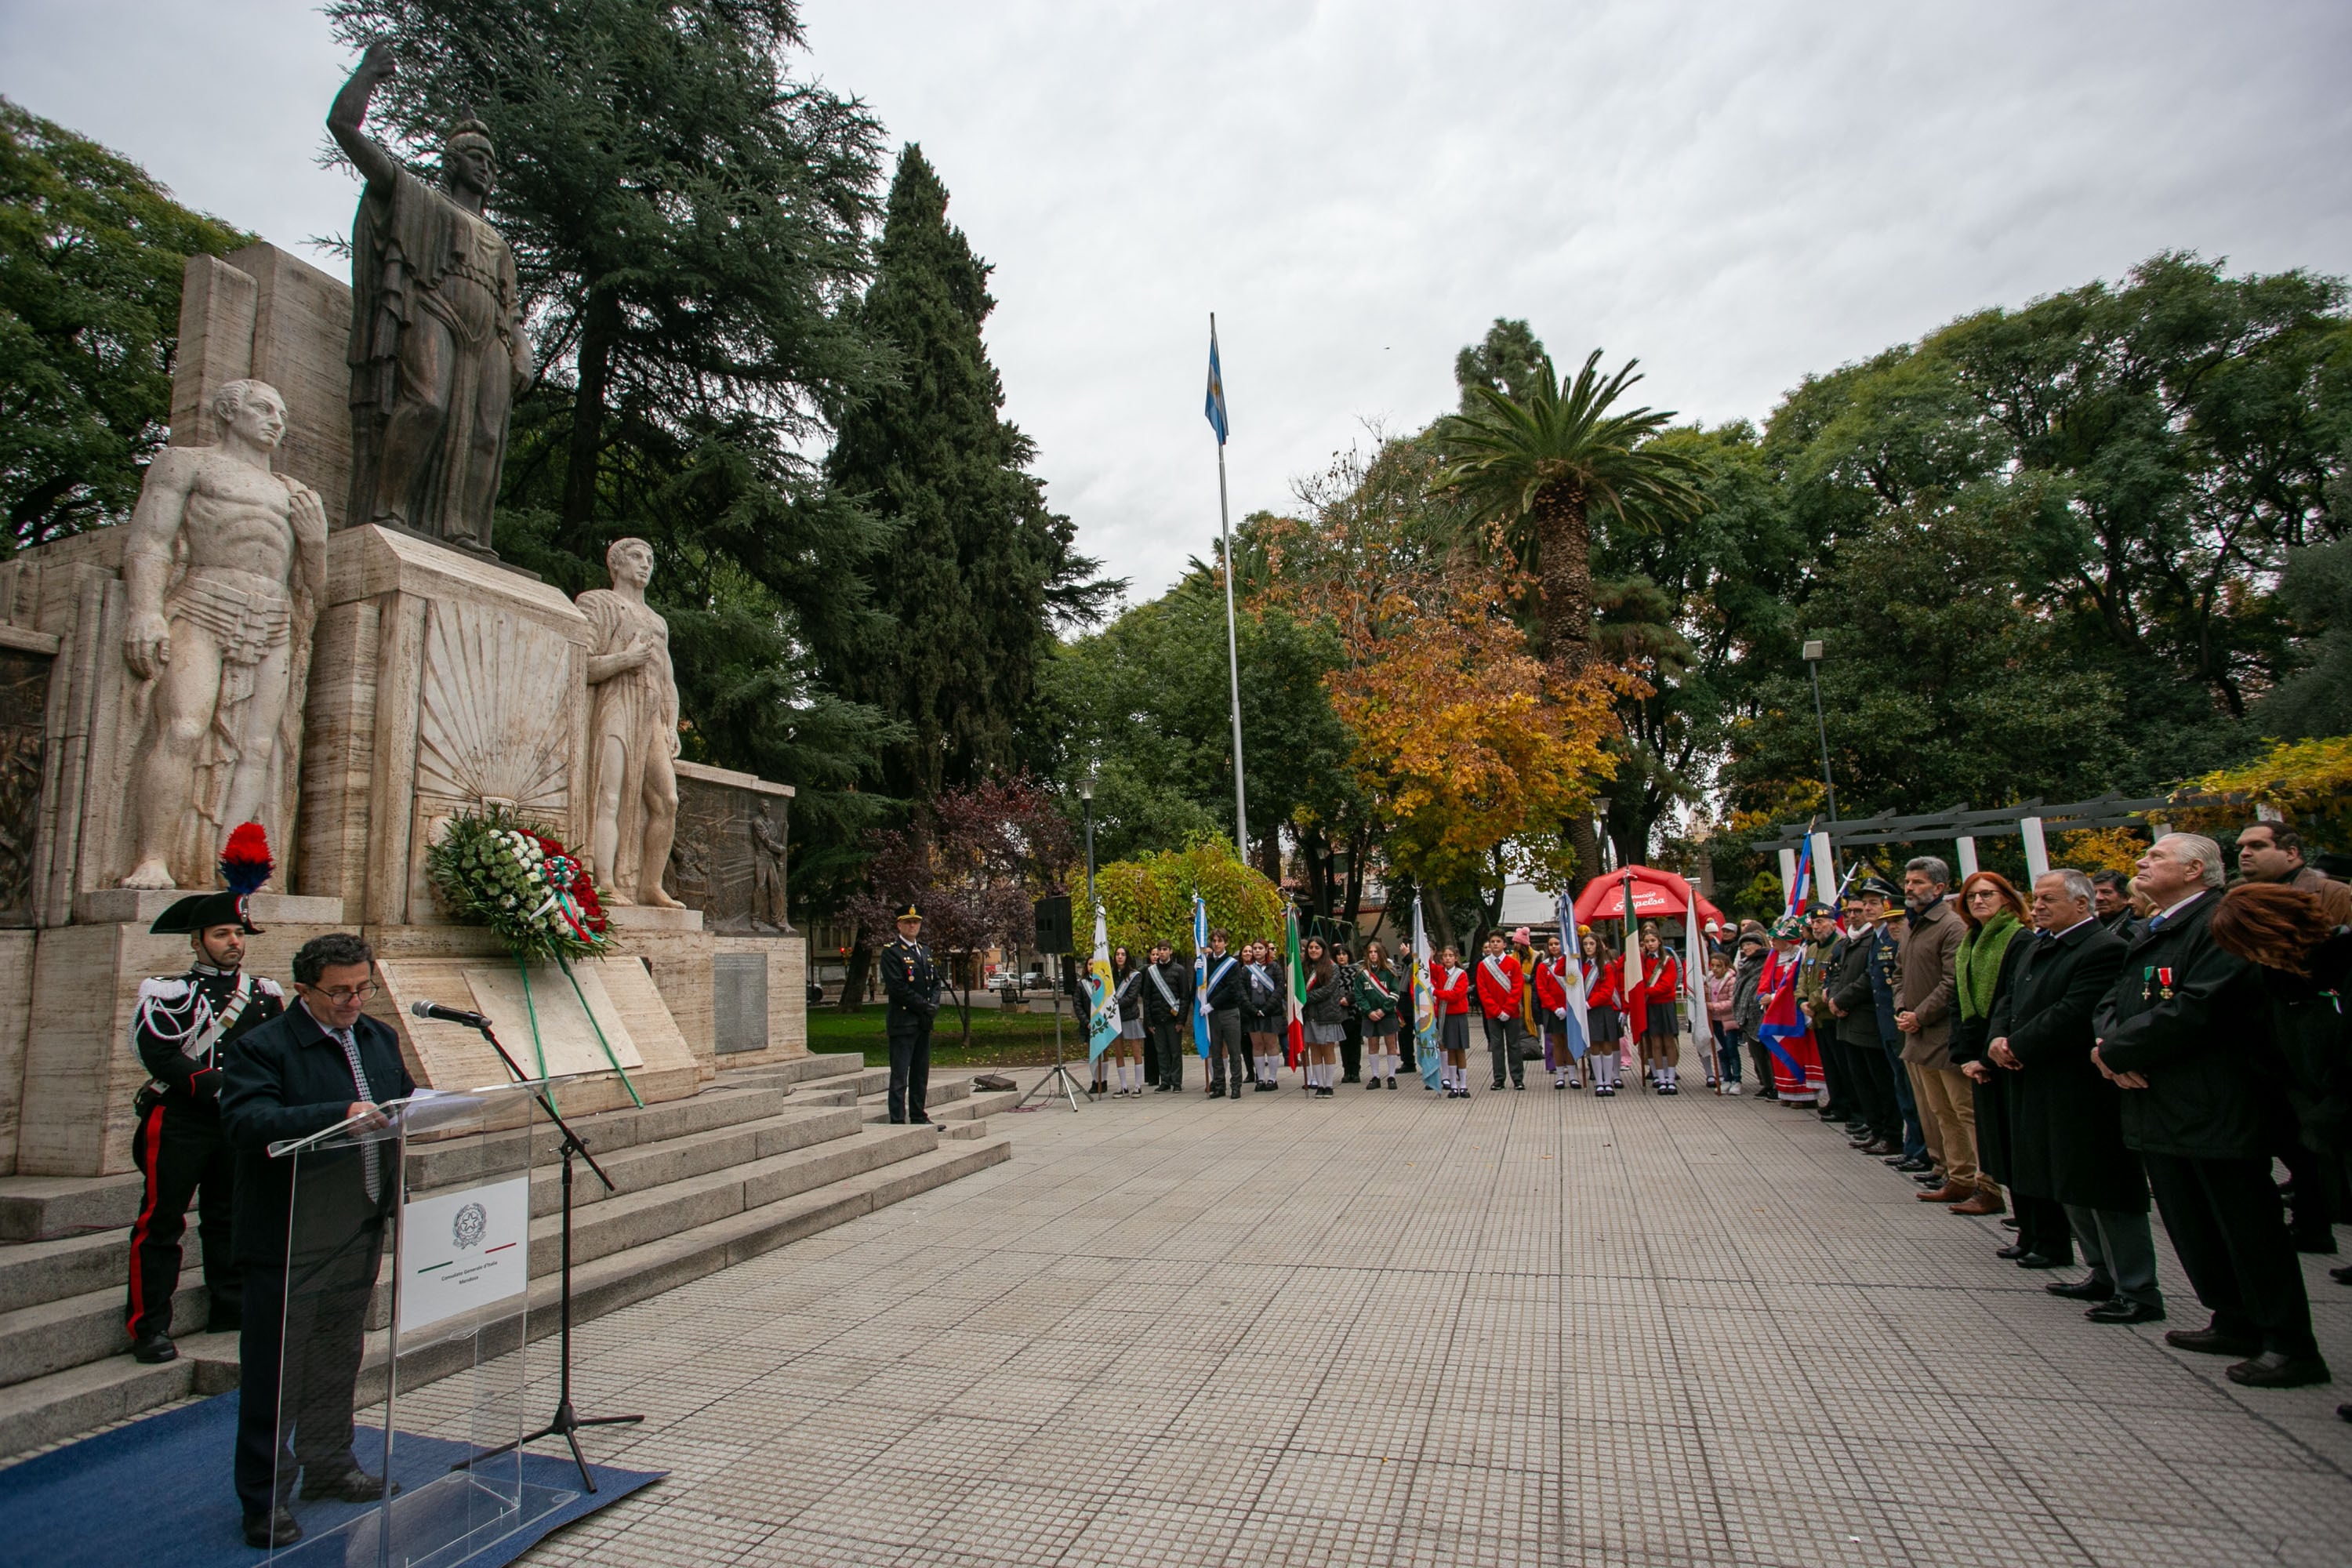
(183,1025)
(912,981)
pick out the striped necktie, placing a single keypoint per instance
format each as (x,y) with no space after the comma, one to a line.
(371,1173)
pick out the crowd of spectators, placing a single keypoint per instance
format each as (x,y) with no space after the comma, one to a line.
(2077,1053)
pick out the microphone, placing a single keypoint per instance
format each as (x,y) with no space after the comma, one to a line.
(448,1014)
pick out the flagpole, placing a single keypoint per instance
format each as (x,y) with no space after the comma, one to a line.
(1233,647)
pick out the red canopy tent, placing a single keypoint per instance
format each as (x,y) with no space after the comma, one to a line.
(1657,895)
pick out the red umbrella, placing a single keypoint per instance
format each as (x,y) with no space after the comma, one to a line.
(1657,895)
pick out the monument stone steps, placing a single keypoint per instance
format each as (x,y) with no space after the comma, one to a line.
(951,1111)
(50,1336)
(743,1168)
(43,1208)
(847,1091)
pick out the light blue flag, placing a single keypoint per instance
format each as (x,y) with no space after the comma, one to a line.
(1200,975)
(1216,406)
(1574,1027)
(1425,1001)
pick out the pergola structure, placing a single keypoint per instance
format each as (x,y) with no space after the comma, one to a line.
(2028,820)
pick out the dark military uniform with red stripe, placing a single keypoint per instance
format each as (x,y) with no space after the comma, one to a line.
(182,1041)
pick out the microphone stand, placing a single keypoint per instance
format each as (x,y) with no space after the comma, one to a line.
(565,1423)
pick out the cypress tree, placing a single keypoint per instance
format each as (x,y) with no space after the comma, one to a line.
(981,571)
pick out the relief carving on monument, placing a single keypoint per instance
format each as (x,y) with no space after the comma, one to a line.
(496,717)
(437,349)
(632,732)
(224,567)
(729,860)
(23,698)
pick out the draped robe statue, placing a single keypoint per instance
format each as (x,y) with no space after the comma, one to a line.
(437,347)
(632,731)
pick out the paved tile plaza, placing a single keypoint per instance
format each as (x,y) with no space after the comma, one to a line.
(1387,1329)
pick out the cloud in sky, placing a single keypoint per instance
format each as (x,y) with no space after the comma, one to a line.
(1738,195)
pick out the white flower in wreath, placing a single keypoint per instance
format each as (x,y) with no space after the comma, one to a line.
(508,901)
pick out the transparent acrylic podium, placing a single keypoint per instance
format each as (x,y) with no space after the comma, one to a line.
(407,1284)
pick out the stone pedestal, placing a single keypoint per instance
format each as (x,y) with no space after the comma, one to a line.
(759,999)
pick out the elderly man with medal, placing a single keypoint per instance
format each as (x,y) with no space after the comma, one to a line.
(181,1029)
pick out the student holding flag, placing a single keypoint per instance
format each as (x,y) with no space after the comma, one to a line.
(1558,982)
(1603,1023)
(1294,993)
(1201,989)
(1222,993)
(1450,989)
(1379,1003)
(1425,1001)
(1263,989)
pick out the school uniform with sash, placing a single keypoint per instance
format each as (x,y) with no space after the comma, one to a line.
(1500,982)
(1227,992)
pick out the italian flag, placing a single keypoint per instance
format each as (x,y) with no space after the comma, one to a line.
(1293,1006)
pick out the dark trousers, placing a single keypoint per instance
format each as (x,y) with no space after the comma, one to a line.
(185,1156)
(1226,1044)
(1873,1079)
(299,1369)
(1168,1045)
(2043,1226)
(2311,1211)
(2224,1219)
(910,1067)
(2121,1253)
(1761,1055)
(1503,1046)
(1906,1104)
(1837,1074)
(1351,1050)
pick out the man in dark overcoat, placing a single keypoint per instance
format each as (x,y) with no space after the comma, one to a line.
(2066,1122)
(2181,1034)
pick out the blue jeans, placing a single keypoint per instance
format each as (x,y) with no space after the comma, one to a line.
(1914,1136)
(1727,1051)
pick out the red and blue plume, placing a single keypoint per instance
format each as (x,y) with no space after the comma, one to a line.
(246,864)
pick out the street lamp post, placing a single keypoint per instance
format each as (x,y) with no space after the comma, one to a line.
(1087,793)
(1600,804)
(1813,663)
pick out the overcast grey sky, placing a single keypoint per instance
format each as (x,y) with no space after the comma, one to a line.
(1735,194)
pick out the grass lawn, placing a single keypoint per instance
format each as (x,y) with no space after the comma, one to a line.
(997,1039)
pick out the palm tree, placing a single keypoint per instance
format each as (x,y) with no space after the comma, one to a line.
(1544,466)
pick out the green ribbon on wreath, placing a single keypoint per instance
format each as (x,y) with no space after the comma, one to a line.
(538,1050)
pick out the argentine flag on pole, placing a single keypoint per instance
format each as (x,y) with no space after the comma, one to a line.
(1216,405)
(1200,975)
(1576,1028)
(1102,1019)
(1425,1001)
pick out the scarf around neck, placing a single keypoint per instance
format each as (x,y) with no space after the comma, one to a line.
(1978,968)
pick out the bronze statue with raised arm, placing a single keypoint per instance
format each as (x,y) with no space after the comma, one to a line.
(437,350)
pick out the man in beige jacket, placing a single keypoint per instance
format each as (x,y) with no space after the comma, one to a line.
(1922,1011)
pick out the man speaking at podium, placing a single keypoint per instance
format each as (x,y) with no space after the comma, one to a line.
(319,1063)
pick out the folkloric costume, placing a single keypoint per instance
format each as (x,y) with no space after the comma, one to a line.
(182,1028)
(1796,1064)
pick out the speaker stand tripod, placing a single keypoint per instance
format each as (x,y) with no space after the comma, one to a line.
(566,1421)
(1059,1078)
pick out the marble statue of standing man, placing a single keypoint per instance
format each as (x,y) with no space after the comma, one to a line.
(438,347)
(222,651)
(632,731)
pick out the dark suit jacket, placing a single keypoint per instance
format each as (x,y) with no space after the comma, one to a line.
(288,1079)
(2066,1120)
(2187,1018)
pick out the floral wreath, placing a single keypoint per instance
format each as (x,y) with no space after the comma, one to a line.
(490,869)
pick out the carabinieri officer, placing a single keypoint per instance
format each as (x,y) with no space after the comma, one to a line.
(183,1028)
(912,981)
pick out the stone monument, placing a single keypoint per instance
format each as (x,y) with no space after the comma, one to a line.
(224,569)
(632,731)
(438,347)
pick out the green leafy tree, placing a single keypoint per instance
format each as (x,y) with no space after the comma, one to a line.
(1148,898)
(1508,359)
(2317,700)
(91,251)
(981,570)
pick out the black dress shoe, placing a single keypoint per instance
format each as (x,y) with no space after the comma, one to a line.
(2010,1222)
(275,1528)
(353,1485)
(2125,1312)
(2014,1249)
(1914,1164)
(2212,1342)
(2081,1289)
(154,1350)
(2341,1276)
(2036,1260)
(2276,1368)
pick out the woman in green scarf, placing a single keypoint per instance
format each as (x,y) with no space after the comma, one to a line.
(1997,935)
